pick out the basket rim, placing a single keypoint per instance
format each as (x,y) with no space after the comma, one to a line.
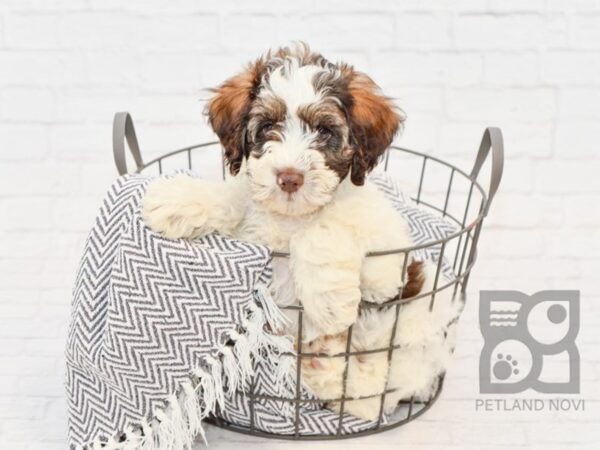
(462,229)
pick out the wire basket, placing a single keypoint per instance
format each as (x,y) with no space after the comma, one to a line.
(442,188)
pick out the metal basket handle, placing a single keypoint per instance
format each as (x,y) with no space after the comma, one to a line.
(123,129)
(492,139)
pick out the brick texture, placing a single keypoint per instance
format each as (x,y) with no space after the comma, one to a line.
(529,66)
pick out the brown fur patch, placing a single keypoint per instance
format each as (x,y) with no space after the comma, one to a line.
(414,279)
(374,121)
(334,146)
(269,110)
(325,112)
(228,112)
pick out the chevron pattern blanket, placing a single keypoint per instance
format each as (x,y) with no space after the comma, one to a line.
(165,333)
(161,330)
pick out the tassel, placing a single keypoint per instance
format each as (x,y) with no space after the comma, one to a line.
(148,435)
(194,411)
(217,376)
(230,369)
(243,354)
(254,326)
(179,432)
(285,371)
(273,315)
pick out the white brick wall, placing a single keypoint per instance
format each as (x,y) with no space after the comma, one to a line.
(529,66)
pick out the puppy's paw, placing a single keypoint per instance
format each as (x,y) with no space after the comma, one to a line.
(323,374)
(333,311)
(381,278)
(175,208)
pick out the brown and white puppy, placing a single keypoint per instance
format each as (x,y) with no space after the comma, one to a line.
(304,125)
(300,135)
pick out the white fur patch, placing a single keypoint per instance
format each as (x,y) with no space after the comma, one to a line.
(293,84)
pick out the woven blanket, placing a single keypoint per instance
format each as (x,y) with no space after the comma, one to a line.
(166,332)
(162,330)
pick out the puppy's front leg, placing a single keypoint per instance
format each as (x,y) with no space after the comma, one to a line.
(186,207)
(325,262)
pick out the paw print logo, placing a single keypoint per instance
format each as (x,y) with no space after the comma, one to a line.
(505,367)
(520,332)
(510,362)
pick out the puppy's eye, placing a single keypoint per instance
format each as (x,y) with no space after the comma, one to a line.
(324,132)
(266,127)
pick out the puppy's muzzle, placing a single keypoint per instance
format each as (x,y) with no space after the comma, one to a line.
(290,180)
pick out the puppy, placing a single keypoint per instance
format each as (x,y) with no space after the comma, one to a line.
(299,134)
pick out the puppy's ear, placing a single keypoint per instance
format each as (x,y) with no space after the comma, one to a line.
(228,112)
(374,120)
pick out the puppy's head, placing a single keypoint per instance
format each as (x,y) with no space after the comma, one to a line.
(303,124)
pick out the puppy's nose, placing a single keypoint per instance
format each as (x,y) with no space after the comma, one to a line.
(290,180)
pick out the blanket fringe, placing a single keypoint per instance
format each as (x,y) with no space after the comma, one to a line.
(175,426)
(274,316)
